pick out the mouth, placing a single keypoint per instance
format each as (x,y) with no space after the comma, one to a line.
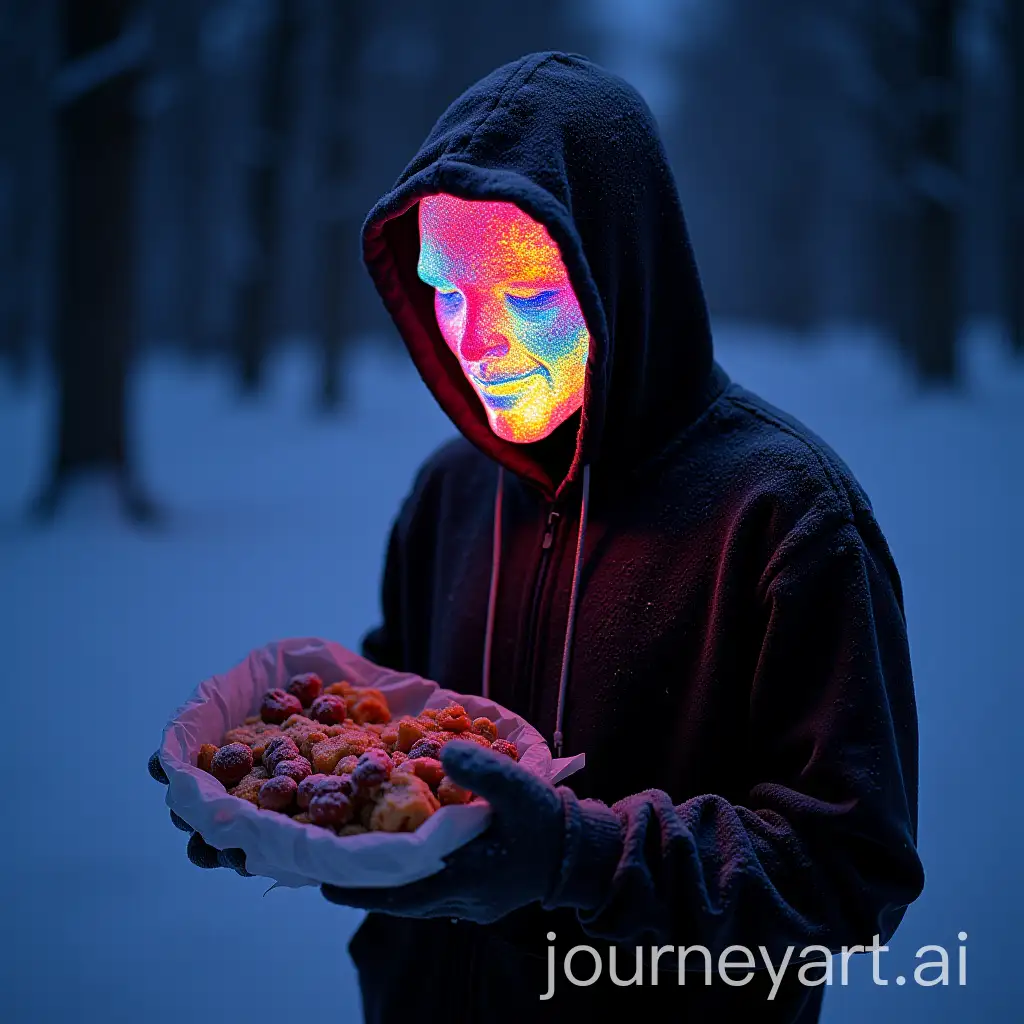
(501,381)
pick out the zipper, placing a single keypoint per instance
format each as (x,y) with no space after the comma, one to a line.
(532,628)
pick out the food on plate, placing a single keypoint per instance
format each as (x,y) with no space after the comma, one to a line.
(206,752)
(450,793)
(334,757)
(306,687)
(231,763)
(402,805)
(278,705)
(505,747)
(278,793)
(329,709)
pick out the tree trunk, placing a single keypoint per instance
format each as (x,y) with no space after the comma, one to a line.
(1015,211)
(255,322)
(93,333)
(934,326)
(339,243)
(22,41)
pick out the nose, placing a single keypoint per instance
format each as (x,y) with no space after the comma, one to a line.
(480,340)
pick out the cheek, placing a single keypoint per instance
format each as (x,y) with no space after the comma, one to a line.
(558,341)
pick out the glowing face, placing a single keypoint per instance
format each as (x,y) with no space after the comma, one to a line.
(507,310)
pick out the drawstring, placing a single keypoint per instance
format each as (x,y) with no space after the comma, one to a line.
(572,611)
(570,625)
(492,596)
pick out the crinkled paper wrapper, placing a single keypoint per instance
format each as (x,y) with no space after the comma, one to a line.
(295,854)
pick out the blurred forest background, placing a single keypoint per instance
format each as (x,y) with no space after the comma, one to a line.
(193,173)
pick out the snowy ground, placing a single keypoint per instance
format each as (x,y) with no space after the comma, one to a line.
(277,527)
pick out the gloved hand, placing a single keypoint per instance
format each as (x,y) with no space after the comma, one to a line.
(199,852)
(529,853)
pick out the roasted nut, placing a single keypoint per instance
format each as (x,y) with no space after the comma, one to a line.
(278,793)
(250,733)
(206,752)
(307,744)
(280,748)
(449,792)
(295,768)
(347,765)
(469,736)
(329,752)
(408,734)
(485,727)
(249,787)
(330,809)
(306,687)
(427,768)
(370,710)
(231,764)
(506,747)
(299,728)
(329,709)
(427,747)
(278,705)
(454,718)
(342,689)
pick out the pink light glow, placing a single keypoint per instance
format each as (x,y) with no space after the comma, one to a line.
(505,306)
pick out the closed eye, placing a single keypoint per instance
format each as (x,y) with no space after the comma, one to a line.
(532,305)
(449,299)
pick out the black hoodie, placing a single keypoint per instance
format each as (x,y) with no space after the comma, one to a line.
(737,671)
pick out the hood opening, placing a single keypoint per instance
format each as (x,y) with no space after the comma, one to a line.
(577,149)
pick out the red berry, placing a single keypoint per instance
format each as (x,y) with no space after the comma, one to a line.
(329,709)
(425,748)
(330,809)
(231,764)
(278,705)
(506,747)
(307,789)
(280,748)
(297,768)
(278,793)
(306,687)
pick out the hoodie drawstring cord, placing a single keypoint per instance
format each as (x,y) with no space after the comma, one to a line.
(493,595)
(570,625)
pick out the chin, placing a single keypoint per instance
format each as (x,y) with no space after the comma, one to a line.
(518,432)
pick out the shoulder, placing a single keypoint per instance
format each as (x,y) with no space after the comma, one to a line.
(770,475)
(792,452)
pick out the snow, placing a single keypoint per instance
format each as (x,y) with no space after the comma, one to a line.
(277,520)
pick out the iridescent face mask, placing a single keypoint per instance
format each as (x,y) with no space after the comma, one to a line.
(506,308)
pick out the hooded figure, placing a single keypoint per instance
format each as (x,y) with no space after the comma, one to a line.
(679,580)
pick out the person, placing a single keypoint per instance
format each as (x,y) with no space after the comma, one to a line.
(650,563)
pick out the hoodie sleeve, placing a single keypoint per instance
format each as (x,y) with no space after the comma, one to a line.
(822,849)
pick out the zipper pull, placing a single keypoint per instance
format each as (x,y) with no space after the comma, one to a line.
(550,531)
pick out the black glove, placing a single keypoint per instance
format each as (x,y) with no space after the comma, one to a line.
(199,852)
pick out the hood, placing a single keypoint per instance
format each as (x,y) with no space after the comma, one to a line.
(578,149)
